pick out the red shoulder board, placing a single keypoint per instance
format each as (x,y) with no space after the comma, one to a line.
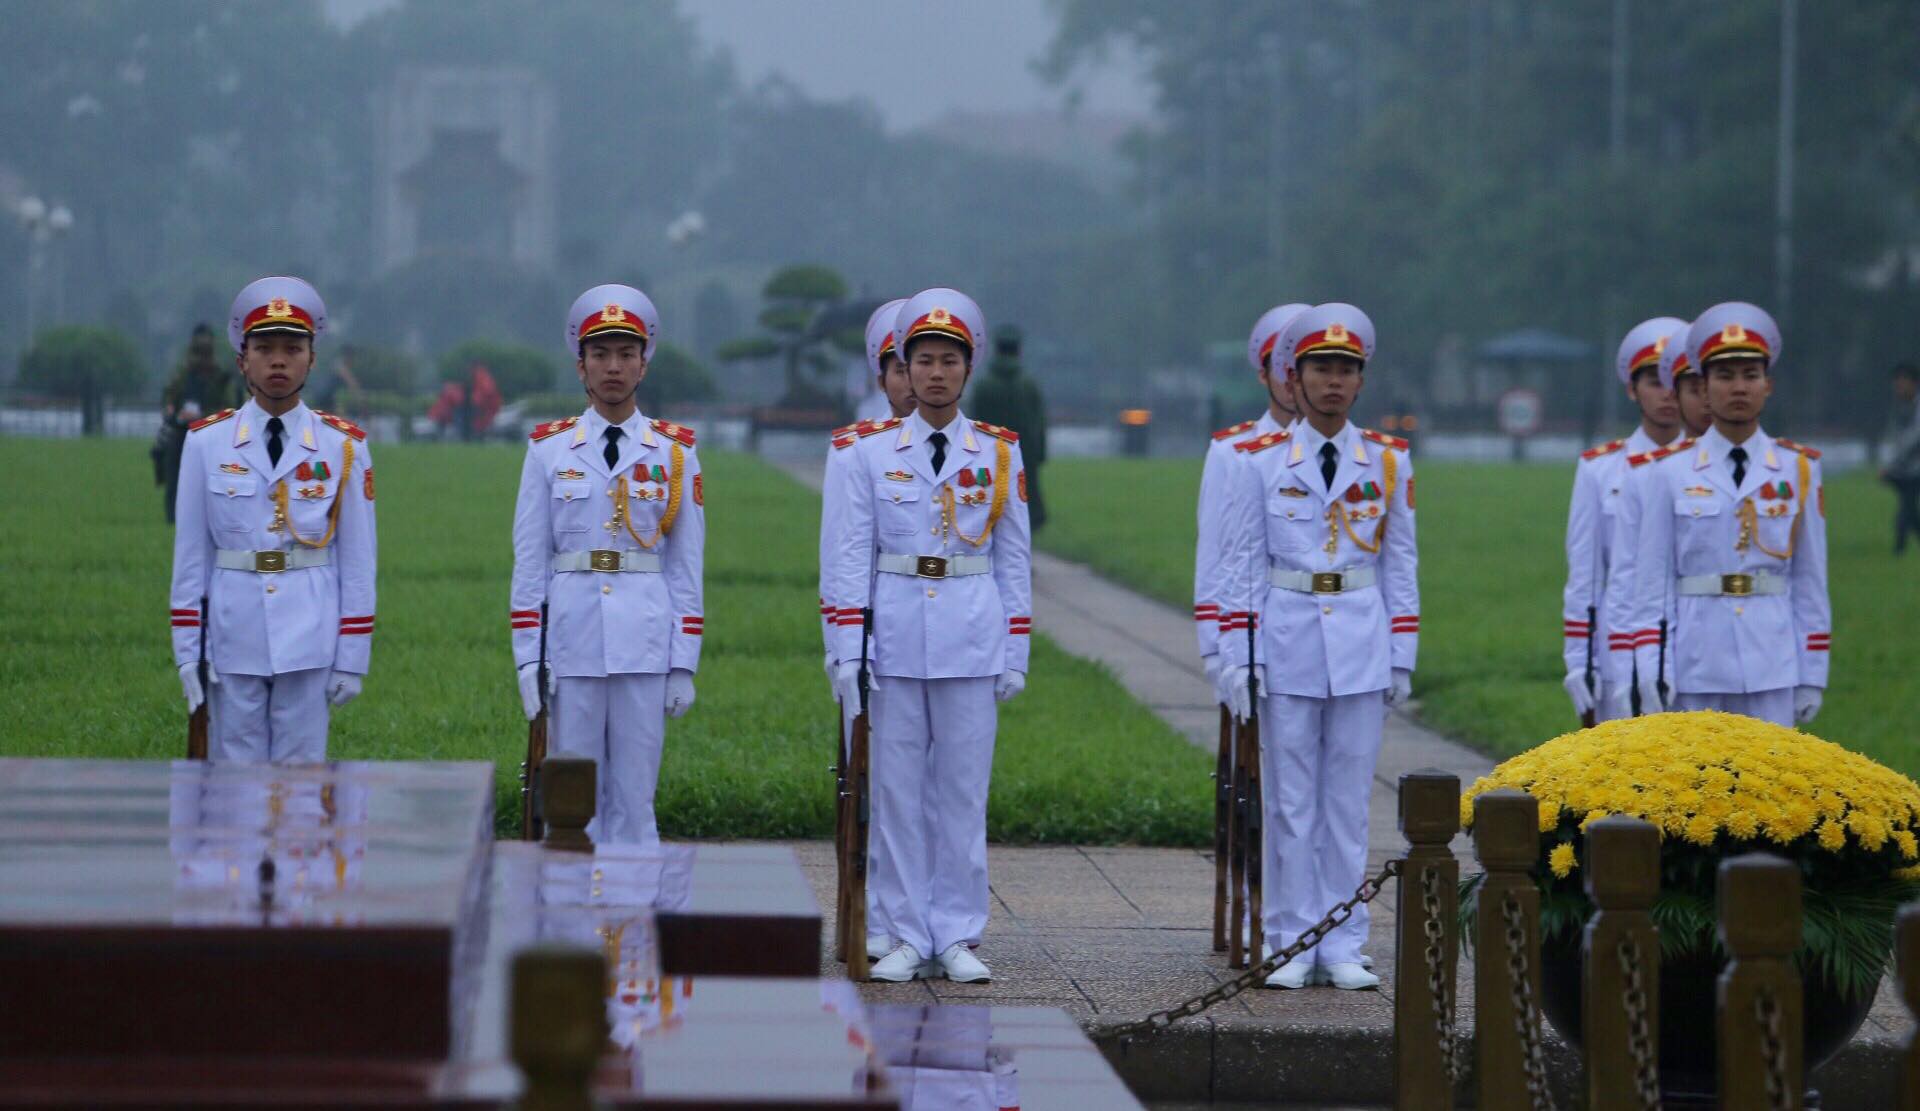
(1659,453)
(674,431)
(843,431)
(847,440)
(1637,458)
(997,432)
(1607,448)
(1262,443)
(216,418)
(552,428)
(1235,430)
(341,424)
(869,427)
(1394,442)
(1809,452)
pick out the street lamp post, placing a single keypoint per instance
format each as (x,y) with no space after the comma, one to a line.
(43,223)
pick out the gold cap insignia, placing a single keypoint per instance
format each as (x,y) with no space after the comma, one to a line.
(939,316)
(1660,346)
(613,313)
(1336,332)
(1733,333)
(278,308)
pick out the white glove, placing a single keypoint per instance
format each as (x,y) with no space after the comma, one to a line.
(342,687)
(530,690)
(1232,691)
(1009,684)
(679,692)
(1576,685)
(1650,695)
(1620,702)
(190,684)
(1401,688)
(1212,665)
(846,686)
(1806,704)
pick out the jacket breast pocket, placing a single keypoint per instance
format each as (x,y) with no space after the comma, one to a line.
(571,507)
(1291,524)
(232,502)
(896,508)
(1697,528)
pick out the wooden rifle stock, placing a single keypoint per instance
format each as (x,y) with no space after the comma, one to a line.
(197,720)
(533,825)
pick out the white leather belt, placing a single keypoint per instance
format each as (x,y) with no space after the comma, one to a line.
(1322,582)
(933,567)
(270,563)
(606,559)
(1733,586)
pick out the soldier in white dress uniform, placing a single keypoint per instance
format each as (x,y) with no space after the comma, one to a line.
(1599,489)
(274,529)
(609,534)
(942,501)
(890,378)
(1734,528)
(1320,555)
(1622,638)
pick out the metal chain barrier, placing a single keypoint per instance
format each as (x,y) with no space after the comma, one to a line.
(1160,1020)
(1767,1012)
(1646,1075)
(1526,1016)
(1438,988)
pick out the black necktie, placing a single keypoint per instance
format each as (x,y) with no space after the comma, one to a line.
(939,442)
(274,428)
(1329,462)
(1739,457)
(612,454)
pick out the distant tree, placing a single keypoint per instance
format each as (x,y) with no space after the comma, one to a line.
(801,327)
(378,369)
(517,370)
(674,377)
(85,362)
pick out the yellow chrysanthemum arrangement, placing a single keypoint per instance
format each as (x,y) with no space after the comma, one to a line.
(1717,785)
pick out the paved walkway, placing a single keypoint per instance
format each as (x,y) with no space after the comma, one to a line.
(1110,934)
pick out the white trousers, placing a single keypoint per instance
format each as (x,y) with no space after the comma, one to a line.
(620,723)
(932,749)
(1775,706)
(1316,779)
(1603,696)
(877,924)
(279,719)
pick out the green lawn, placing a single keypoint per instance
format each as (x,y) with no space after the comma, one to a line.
(85,558)
(1492,565)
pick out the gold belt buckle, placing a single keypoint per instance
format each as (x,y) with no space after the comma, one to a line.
(930,567)
(604,560)
(1736,586)
(1328,582)
(268,563)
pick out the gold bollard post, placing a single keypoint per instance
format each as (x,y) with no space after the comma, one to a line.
(1620,987)
(1426,943)
(1506,838)
(1759,992)
(558,1025)
(568,790)
(1906,947)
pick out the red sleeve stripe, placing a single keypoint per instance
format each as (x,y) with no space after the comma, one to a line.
(1019,626)
(1206,611)
(1573,624)
(522,623)
(1407,623)
(1819,642)
(368,620)
(186,613)
(1646,636)
(524,613)
(1577,634)
(849,618)
(1231,621)
(186,622)
(1622,642)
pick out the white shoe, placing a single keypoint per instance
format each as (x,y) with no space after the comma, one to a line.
(878,946)
(901,966)
(1350,976)
(1366,962)
(1292,975)
(962,967)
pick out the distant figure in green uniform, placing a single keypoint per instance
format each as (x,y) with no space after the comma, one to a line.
(1007,397)
(200,387)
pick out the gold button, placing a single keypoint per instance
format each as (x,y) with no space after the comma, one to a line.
(269,589)
(929,593)
(229,490)
(568,496)
(1326,609)
(606,588)
(1738,610)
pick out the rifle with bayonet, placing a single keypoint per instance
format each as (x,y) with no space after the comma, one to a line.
(1593,688)
(197,719)
(1222,826)
(532,822)
(842,731)
(853,933)
(1255,825)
